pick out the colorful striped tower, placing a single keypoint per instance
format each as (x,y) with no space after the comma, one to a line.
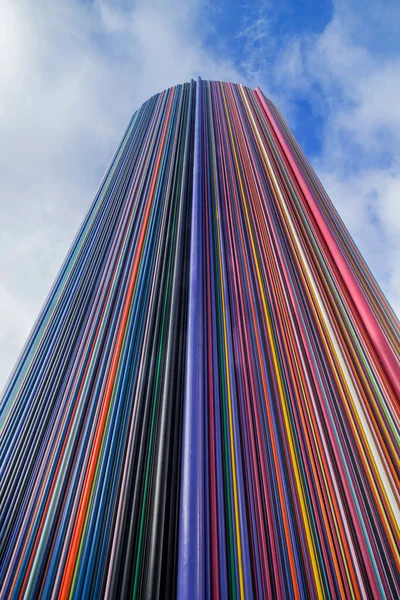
(208,403)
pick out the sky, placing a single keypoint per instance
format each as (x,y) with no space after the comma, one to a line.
(72,73)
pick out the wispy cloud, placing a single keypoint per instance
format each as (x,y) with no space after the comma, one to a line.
(257,42)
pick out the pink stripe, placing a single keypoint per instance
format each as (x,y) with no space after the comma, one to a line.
(383,349)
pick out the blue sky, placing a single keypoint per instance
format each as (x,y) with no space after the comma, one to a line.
(71,74)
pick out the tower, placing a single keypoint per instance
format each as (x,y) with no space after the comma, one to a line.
(207,405)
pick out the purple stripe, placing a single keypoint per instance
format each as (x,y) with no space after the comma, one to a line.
(191,566)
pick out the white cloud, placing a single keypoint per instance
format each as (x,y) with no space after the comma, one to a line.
(71,75)
(354,86)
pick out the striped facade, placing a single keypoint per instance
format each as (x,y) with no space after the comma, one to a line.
(208,403)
